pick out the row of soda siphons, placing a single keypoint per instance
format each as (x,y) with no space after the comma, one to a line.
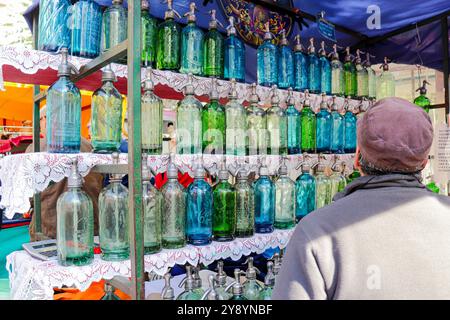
(231,129)
(167,46)
(174,216)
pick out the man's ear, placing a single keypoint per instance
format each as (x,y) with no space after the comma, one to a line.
(356,162)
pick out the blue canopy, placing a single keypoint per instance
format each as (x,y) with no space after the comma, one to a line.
(403,48)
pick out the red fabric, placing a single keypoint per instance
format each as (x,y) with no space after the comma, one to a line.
(17,140)
(184,179)
(5,146)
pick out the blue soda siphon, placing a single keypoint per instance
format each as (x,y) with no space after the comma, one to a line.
(236,124)
(252,289)
(54,31)
(192,45)
(256,126)
(285,63)
(267,60)
(269,283)
(114,26)
(284,200)
(323,187)
(349,128)
(264,202)
(305,192)
(234,58)
(245,205)
(301,66)
(149,31)
(293,125)
(64,111)
(323,133)
(276,126)
(337,129)
(325,70)
(314,68)
(213,49)
(337,74)
(86,29)
(199,209)
(169,41)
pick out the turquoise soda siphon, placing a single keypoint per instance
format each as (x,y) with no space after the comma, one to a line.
(256,126)
(305,192)
(192,45)
(149,26)
(308,126)
(236,124)
(234,58)
(314,68)
(264,202)
(245,205)
(213,49)
(276,126)
(323,133)
(337,129)
(301,66)
(349,128)
(213,123)
(284,199)
(285,63)
(86,29)
(267,60)
(337,74)
(54,32)
(114,25)
(325,70)
(293,125)
(168,42)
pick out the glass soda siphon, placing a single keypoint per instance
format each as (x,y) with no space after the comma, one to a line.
(234,59)
(256,126)
(213,49)
(168,42)
(324,122)
(236,124)
(350,83)
(337,129)
(305,192)
(221,280)
(293,125)
(325,70)
(224,208)
(192,45)
(284,199)
(362,78)
(190,291)
(54,30)
(372,78)
(213,123)
(349,128)
(323,187)
(86,29)
(245,205)
(267,60)
(385,82)
(337,74)
(269,283)
(285,63)
(252,289)
(149,35)
(314,68)
(422,100)
(338,181)
(276,126)
(308,126)
(237,287)
(114,25)
(301,66)
(264,202)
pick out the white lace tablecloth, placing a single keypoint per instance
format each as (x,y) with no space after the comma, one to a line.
(32,279)
(23,175)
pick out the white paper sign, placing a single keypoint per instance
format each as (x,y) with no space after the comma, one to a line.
(441,164)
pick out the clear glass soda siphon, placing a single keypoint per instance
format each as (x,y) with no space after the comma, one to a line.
(349,128)
(190,291)
(113,218)
(293,125)
(174,211)
(236,124)
(167,292)
(86,29)
(252,289)
(75,223)
(362,78)
(301,66)
(64,111)
(168,42)
(422,100)
(245,206)
(149,35)
(337,74)
(308,126)
(337,129)
(256,126)
(213,49)
(338,181)
(192,45)
(385,82)
(152,210)
(350,83)
(189,122)
(54,31)
(213,123)
(324,122)
(224,208)
(276,126)
(237,287)
(305,192)
(372,78)
(221,280)
(314,68)
(234,58)
(152,118)
(199,209)
(264,202)
(325,70)
(269,283)
(114,25)
(284,200)
(285,63)
(267,60)
(323,187)
(106,123)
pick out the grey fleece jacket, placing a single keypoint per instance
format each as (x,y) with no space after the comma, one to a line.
(384,237)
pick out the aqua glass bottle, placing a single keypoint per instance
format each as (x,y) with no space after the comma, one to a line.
(190,291)
(350,83)
(114,26)
(362,78)
(224,208)
(314,68)
(301,66)
(192,45)
(174,211)
(252,289)
(285,63)
(323,187)
(323,132)
(385,82)
(267,60)
(234,57)
(293,125)
(113,218)
(152,210)
(199,210)
(213,123)
(349,129)
(256,126)
(338,181)
(371,77)
(308,126)
(337,129)
(422,100)
(269,283)
(236,124)
(54,30)
(169,41)
(86,29)
(74,223)
(106,123)
(213,49)
(337,74)
(264,202)
(151,118)
(284,200)
(325,70)
(149,26)
(276,126)
(245,206)
(305,193)
(189,122)
(63,112)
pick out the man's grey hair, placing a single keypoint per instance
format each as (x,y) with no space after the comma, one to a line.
(372,170)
